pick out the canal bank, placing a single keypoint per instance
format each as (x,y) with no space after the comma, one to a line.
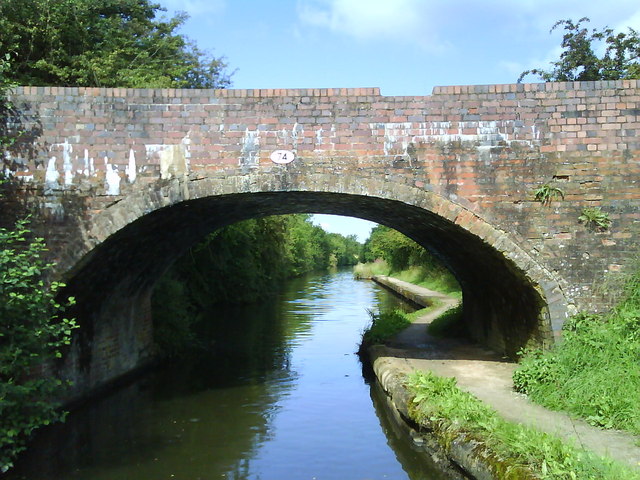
(485,375)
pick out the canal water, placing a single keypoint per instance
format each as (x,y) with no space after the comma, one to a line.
(284,398)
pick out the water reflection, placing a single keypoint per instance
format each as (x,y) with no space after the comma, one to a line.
(281,396)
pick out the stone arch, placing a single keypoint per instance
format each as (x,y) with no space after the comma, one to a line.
(510,298)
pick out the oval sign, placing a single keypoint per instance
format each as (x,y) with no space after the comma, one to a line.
(283,156)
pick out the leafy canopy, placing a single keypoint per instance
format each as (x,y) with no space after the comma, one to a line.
(102,43)
(579,60)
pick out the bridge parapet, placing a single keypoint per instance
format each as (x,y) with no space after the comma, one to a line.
(484,147)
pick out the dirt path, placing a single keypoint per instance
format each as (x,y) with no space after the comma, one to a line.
(488,376)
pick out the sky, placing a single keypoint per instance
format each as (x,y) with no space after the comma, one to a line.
(404,47)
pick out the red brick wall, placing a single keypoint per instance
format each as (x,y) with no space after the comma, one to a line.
(482,150)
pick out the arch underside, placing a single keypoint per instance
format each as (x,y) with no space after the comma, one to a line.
(505,296)
(132,243)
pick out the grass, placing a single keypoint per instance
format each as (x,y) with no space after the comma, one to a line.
(383,326)
(438,401)
(438,279)
(368,270)
(595,373)
(449,324)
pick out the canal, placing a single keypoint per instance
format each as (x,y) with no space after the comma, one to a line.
(284,397)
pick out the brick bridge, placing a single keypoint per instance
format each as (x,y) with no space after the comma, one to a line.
(124,180)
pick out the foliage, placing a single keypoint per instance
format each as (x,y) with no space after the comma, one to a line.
(240,263)
(546,193)
(440,402)
(449,324)
(595,218)
(102,43)
(383,326)
(32,333)
(579,60)
(594,373)
(434,277)
(368,270)
(398,250)
(406,260)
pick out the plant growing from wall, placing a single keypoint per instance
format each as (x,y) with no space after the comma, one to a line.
(545,194)
(595,219)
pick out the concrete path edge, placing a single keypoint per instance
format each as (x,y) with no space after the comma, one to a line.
(392,362)
(462,451)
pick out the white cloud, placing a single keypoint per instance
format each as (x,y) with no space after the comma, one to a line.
(195,7)
(399,20)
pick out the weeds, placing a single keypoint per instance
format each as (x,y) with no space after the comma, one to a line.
(595,219)
(438,400)
(367,270)
(383,326)
(449,324)
(594,373)
(546,193)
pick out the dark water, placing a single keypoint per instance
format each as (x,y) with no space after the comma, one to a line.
(285,399)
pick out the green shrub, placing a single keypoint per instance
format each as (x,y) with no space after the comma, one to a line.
(595,219)
(384,325)
(367,270)
(33,332)
(594,373)
(546,193)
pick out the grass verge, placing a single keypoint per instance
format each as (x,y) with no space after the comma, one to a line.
(383,326)
(595,372)
(368,270)
(449,324)
(438,279)
(452,413)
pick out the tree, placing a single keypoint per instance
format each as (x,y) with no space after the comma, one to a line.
(240,263)
(579,60)
(102,43)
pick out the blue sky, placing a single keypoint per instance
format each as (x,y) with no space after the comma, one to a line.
(405,47)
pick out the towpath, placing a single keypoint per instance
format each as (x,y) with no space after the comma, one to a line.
(487,376)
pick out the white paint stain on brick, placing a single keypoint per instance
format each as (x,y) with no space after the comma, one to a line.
(112,178)
(397,136)
(186,143)
(250,153)
(171,158)
(131,167)
(89,168)
(52,175)
(296,131)
(67,165)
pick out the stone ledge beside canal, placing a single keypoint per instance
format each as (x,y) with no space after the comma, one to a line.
(458,454)
(418,295)
(488,377)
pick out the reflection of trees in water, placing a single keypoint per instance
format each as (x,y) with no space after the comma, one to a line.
(417,464)
(201,417)
(206,416)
